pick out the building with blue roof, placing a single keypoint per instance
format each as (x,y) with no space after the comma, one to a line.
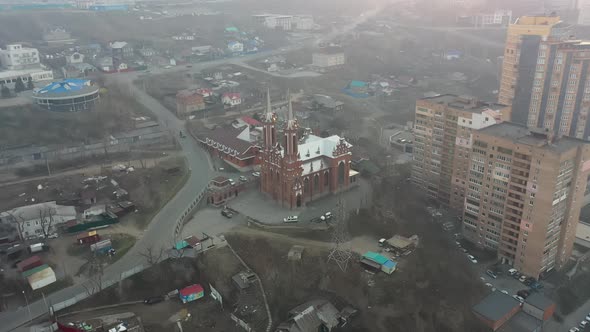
(69,95)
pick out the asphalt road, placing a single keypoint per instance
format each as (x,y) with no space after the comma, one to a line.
(160,232)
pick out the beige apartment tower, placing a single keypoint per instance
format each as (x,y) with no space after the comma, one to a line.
(443,133)
(520,52)
(524,193)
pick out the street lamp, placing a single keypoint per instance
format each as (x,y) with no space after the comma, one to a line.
(28,307)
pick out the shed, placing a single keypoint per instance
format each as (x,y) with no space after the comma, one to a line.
(295,253)
(388,267)
(369,264)
(375,257)
(34,270)
(244,279)
(29,263)
(41,278)
(191,293)
(539,306)
(495,309)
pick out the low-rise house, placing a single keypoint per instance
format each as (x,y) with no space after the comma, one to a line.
(235,47)
(77,70)
(316,315)
(328,103)
(74,57)
(147,52)
(205,92)
(231,99)
(122,50)
(38,219)
(188,101)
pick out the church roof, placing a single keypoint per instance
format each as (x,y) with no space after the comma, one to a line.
(315,146)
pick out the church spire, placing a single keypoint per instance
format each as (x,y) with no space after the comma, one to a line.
(268,116)
(269,119)
(291,121)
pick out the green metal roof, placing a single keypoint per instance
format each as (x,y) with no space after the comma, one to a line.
(358,84)
(375,257)
(181,245)
(34,270)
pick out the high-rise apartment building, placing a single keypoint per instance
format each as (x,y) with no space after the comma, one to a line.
(443,132)
(545,77)
(524,194)
(559,100)
(520,54)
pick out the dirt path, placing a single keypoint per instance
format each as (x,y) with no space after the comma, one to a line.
(7,180)
(359,244)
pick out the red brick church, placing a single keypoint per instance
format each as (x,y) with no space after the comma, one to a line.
(296,170)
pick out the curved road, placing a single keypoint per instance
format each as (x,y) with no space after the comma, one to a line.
(160,232)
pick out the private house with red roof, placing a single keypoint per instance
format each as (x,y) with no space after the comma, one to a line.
(233,145)
(231,99)
(205,92)
(188,101)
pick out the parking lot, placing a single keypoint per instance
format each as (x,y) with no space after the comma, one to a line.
(499,278)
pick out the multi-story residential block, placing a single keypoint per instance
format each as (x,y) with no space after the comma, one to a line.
(545,78)
(524,193)
(443,131)
(559,98)
(328,58)
(17,57)
(520,54)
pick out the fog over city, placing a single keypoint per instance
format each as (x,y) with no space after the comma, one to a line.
(294,165)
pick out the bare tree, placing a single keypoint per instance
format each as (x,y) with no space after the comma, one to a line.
(152,255)
(19,222)
(46,214)
(94,283)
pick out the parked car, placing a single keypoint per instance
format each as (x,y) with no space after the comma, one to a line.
(291,219)
(256,174)
(154,299)
(243,178)
(489,285)
(512,272)
(491,274)
(232,182)
(574,329)
(583,324)
(518,298)
(472,259)
(227,213)
(588,318)
(522,278)
(504,292)
(523,293)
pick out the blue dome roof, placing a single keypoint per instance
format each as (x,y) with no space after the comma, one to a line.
(65,86)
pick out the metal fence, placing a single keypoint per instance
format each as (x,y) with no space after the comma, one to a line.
(188,213)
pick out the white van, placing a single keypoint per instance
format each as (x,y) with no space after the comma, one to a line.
(290,219)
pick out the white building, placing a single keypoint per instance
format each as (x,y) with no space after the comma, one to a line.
(231,99)
(273,21)
(327,58)
(303,22)
(235,47)
(584,12)
(74,58)
(32,220)
(17,57)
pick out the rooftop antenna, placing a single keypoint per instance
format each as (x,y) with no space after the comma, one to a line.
(341,251)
